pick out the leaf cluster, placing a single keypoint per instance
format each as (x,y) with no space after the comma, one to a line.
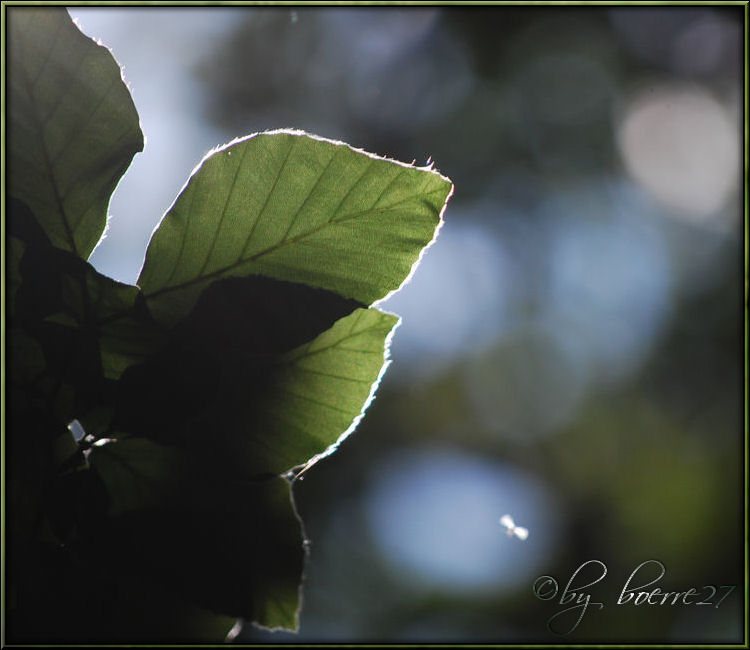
(247,350)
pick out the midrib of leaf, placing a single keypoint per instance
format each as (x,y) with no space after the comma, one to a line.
(282,243)
(220,223)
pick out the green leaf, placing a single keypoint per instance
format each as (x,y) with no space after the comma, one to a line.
(295,207)
(52,285)
(324,388)
(126,332)
(90,327)
(210,365)
(138,473)
(230,545)
(314,397)
(125,341)
(72,128)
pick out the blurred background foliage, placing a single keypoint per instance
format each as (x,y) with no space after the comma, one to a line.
(571,345)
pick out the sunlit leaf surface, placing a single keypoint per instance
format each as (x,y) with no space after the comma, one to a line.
(293,207)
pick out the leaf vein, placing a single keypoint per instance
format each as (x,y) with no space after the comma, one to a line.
(332,375)
(307,198)
(364,173)
(268,198)
(313,400)
(176,265)
(40,70)
(230,192)
(81,126)
(336,344)
(76,67)
(389,184)
(47,163)
(293,240)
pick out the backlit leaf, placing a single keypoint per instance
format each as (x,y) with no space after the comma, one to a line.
(317,395)
(72,125)
(295,207)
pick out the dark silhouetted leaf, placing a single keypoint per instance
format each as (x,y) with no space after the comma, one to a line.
(234,546)
(139,473)
(87,598)
(212,363)
(89,326)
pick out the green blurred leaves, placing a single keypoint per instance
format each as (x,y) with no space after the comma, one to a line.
(247,350)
